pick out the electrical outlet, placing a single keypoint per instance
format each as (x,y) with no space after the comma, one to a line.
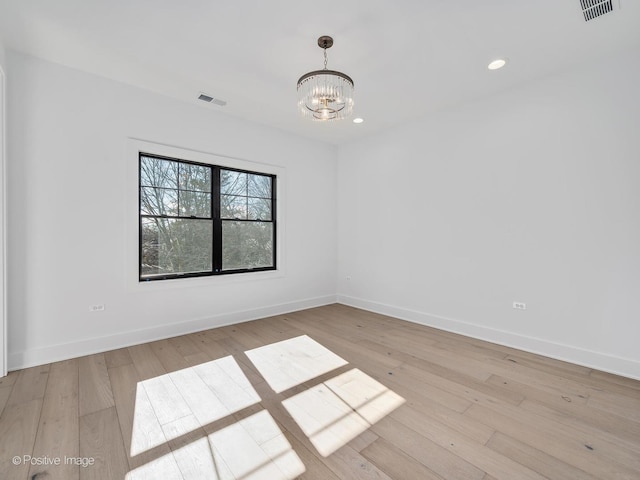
(96,308)
(519,306)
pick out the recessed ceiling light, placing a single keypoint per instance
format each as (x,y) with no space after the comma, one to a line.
(496,64)
(358,120)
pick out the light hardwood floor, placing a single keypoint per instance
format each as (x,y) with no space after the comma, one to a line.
(473,410)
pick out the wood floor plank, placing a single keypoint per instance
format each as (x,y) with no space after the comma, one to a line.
(433,456)
(29,385)
(470,347)
(391,338)
(197,359)
(245,339)
(263,336)
(566,410)
(94,385)
(232,347)
(101,440)
(610,378)
(421,391)
(576,373)
(536,460)
(125,382)
(168,355)
(4,396)
(622,405)
(586,441)
(465,388)
(591,421)
(212,348)
(9,379)
(191,451)
(422,418)
(316,469)
(395,463)
(456,363)
(117,358)
(184,345)
(363,440)
(58,430)
(349,350)
(607,445)
(279,327)
(550,365)
(347,463)
(18,427)
(472,451)
(214,333)
(146,362)
(544,380)
(600,381)
(573,447)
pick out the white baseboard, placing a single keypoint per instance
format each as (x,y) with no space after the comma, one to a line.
(568,353)
(55,353)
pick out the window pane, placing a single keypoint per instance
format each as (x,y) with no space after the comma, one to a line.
(177,219)
(195,204)
(158,201)
(259,209)
(233,207)
(171,246)
(195,177)
(156,172)
(247,245)
(259,186)
(233,183)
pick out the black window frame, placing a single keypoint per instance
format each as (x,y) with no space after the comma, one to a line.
(215,217)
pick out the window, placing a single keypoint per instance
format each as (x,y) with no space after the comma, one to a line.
(199,219)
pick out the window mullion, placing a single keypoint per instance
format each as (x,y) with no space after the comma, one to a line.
(217,221)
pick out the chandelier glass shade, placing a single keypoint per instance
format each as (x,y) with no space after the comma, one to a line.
(325,94)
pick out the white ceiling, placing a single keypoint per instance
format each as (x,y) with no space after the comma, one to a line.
(407,57)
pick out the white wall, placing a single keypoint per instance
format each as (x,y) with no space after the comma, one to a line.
(531,196)
(527,196)
(70,216)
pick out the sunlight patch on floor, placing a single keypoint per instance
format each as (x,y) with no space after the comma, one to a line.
(208,392)
(294,361)
(255,448)
(372,400)
(179,411)
(335,412)
(251,449)
(164,467)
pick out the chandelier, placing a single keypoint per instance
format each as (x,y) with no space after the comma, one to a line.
(325,94)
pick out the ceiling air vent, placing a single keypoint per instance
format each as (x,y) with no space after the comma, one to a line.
(209,99)
(595,8)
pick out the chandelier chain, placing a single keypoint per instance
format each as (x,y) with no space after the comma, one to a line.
(325,58)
